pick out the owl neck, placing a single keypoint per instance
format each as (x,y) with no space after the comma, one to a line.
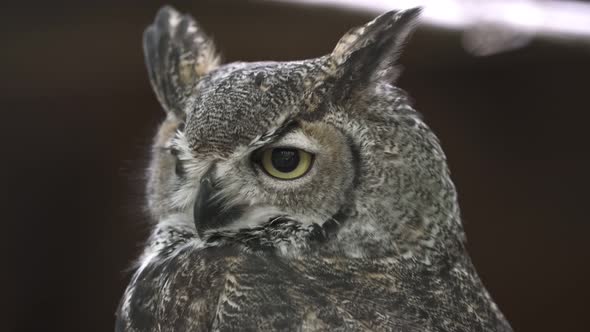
(340,235)
(426,229)
(281,235)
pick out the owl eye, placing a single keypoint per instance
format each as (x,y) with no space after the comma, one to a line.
(286,163)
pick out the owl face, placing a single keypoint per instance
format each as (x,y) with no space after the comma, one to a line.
(315,140)
(248,151)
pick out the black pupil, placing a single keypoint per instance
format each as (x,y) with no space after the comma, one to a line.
(285,160)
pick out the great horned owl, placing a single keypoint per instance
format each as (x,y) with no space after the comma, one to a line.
(296,196)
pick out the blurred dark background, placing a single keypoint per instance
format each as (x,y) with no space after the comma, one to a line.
(78,115)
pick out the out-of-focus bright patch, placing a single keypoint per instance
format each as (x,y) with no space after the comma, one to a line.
(490,26)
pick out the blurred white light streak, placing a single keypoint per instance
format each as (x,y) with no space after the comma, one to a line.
(569,19)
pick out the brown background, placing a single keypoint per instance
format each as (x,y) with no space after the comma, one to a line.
(78,115)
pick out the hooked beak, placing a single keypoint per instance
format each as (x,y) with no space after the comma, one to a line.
(209,210)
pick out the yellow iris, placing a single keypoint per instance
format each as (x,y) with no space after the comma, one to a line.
(286,163)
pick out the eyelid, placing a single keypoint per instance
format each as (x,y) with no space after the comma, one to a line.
(294,140)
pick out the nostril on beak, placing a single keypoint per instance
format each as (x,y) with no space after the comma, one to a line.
(209,211)
(204,212)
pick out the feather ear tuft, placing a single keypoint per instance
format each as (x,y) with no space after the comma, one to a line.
(368,53)
(177,54)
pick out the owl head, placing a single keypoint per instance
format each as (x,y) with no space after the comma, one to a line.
(324,140)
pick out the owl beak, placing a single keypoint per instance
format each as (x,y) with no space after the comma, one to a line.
(209,210)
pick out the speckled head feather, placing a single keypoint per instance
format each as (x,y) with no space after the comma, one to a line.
(367,236)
